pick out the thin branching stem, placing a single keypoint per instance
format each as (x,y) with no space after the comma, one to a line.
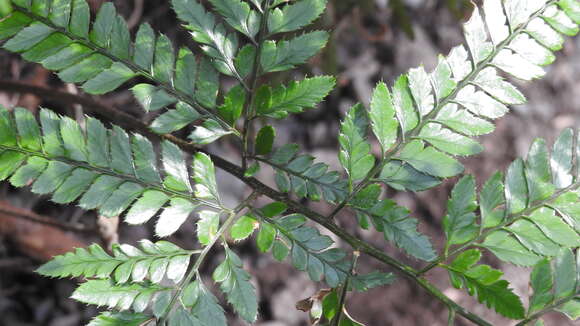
(231,218)
(194,270)
(344,290)
(555,305)
(249,105)
(451,317)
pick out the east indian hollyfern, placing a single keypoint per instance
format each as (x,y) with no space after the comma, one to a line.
(425,123)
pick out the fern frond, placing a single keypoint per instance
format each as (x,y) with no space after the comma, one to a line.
(287,54)
(102,57)
(220,44)
(203,304)
(394,222)
(355,154)
(309,250)
(151,261)
(107,169)
(123,297)
(541,205)
(299,174)
(556,286)
(296,97)
(235,283)
(239,15)
(119,319)
(428,118)
(459,223)
(295,16)
(181,316)
(531,213)
(484,283)
(404,177)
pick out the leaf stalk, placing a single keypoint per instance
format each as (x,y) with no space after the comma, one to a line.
(249,104)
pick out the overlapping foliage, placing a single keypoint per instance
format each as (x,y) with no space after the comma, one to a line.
(423,124)
(104,169)
(300,175)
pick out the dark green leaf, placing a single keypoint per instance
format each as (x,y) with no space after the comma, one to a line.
(152,98)
(297,96)
(280,250)
(10,26)
(164,60)
(533,238)
(273,209)
(295,16)
(401,229)
(86,69)
(265,140)
(266,237)
(233,105)
(404,177)
(103,25)
(239,15)
(555,228)
(28,37)
(285,55)
(144,47)
(109,80)
(484,282)
(541,282)
(240,292)
(459,224)
(177,119)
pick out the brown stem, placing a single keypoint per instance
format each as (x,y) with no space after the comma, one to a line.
(249,104)
(31,216)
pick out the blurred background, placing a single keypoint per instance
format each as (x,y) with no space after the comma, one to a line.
(371,40)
